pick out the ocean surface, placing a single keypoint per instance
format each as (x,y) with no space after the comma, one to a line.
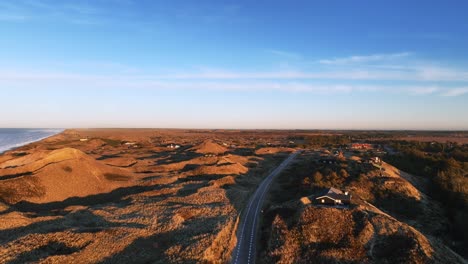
(17,137)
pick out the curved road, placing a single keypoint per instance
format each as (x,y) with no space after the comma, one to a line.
(244,253)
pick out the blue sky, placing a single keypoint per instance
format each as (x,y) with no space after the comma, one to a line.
(234,64)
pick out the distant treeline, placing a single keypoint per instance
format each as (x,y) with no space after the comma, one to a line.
(315,141)
(446,166)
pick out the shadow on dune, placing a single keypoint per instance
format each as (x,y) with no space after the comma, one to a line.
(13,176)
(244,182)
(115,197)
(190,189)
(82,221)
(176,156)
(51,249)
(166,247)
(202,177)
(104,157)
(242,152)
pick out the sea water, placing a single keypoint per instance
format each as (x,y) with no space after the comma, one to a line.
(16,137)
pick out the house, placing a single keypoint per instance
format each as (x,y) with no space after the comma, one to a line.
(83,139)
(338,153)
(131,145)
(361,146)
(375,160)
(328,160)
(334,196)
(173,146)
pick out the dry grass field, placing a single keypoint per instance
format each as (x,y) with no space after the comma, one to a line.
(390,220)
(174,196)
(121,196)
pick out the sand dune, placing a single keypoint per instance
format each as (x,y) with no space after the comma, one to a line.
(209,147)
(272,150)
(59,175)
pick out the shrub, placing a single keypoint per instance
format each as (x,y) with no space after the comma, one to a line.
(19,154)
(116,177)
(317,177)
(344,173)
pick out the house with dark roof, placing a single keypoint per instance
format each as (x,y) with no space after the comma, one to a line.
(328,160)
(333,196)
(375,160)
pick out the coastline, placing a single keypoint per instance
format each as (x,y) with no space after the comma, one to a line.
(21,144)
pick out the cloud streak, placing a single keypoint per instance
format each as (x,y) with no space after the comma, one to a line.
(75,13)
(12,17)
(420,74)
(364,59)
(15,80)
(285,54)
(456,92)
(408,78)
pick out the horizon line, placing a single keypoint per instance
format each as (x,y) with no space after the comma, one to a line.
(247,129)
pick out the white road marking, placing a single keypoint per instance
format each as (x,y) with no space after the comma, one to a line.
(259,196)
(242,232)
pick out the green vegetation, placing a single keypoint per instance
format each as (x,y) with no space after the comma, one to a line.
(19,154)
(322,141)
(116,177)
(67,169)
(112,142)
(396,203)
(446,167)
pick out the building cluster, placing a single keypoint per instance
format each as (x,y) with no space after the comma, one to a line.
(363,146)
(131,144)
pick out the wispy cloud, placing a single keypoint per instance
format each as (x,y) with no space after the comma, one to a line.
(76,13)
(419,74)
(286,54)
(60,80)
(456,91)
(423,90)
(365,58)
(12,17)
(413,78)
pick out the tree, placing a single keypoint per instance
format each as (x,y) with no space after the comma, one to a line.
(333,178)
(279,231)
(317,177)
(343,173)
(306,182)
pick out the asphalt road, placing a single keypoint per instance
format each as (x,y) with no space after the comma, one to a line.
(244,253)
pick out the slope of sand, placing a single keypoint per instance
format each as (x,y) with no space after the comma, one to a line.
(227,164)
(356,235)
(272,150)
(13,162)
(222,169)
(208,147)
(59,175)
